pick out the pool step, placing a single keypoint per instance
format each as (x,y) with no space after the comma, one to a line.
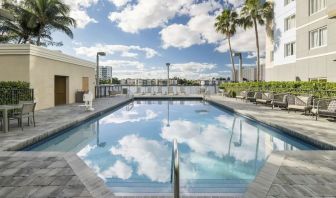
(187,186)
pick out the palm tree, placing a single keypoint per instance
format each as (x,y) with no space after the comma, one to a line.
(226,24)
(18,29)
(49,15)
(255,12)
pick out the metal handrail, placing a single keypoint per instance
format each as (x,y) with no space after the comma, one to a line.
(175,175)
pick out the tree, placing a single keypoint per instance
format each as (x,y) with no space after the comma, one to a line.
(50,15)
(255,12)
(226,24)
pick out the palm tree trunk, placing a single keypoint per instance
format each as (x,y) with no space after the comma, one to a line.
(258,49)
(232,62)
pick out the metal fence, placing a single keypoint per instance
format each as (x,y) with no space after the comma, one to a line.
(105,90)
(13,96)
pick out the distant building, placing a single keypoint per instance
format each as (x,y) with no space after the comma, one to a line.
(301,42)
(250,73)
(105,73)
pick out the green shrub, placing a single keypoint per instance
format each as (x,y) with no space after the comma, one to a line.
(12,92)
(318,89)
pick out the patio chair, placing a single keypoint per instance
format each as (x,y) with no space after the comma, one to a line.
(325,107)
(182,90)
(299,103)
(264,98)
(149,91)
(159,90)
(170,90)
(27,111)
(251,96)
(279,100)
(88,101)
(242,95)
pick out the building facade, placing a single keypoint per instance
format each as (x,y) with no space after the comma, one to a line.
(54,76)
(105,73)
(301,42)
(249,73)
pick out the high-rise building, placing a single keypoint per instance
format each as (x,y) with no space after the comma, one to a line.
(105,73)
(301,41)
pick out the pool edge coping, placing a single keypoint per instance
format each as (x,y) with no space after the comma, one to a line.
(297,134)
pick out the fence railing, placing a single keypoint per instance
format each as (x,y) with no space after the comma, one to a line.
(13,96)
(105,90)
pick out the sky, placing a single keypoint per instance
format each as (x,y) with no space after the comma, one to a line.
(141,36)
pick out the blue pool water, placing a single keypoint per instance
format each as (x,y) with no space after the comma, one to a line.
(130,148)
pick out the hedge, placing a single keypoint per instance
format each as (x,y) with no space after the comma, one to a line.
(11,92)
(318,89)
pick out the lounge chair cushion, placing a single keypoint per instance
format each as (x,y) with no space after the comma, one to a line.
(332,106)
(241,97)
(262,101)
(298,107)
(327,113)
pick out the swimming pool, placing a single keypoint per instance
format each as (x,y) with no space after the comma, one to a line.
(130,148)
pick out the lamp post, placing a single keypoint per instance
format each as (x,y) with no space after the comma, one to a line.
(97,74)
(239,54)
(168,65)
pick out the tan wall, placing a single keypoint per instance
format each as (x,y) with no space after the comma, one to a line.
(14,68)
(42,74)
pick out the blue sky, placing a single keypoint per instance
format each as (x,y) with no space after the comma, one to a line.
(140,36)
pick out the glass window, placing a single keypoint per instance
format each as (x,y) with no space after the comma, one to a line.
(318,37)
(272,56)
(288,1)
(290,49)
(289,22)
(316,5)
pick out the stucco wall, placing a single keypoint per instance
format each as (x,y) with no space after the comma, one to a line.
(38,66)
(42,74)
(14,68)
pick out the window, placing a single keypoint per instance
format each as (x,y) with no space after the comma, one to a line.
(289,49)
(318,37)
(288,2)
(289,22)
(316,5)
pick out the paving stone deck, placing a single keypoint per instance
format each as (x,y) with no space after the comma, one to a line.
(321,133)
(296,174)
(48,174)
(51,121)
(286,174)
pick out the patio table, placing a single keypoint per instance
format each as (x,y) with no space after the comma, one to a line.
(4,109)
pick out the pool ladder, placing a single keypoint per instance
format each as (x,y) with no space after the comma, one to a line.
(175,173)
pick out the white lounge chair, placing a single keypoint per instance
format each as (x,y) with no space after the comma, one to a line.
(170,90)
(88,101)
(182,90)
(159,90)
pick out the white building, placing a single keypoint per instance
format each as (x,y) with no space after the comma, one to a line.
(301,42)
(249,73)
(105,73)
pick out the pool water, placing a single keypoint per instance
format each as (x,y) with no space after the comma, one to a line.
(131,148)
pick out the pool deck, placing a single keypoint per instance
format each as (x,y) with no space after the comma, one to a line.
(286,174)
(321,133)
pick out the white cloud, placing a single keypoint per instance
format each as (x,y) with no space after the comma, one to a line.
(245,41)
(119,3)
(128,116)
(129,51)
(199,29)
(124,65)
(180,36)
(85,151)
(146,14)
(190,70)
(152,157)
(79,11)
(119,170)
